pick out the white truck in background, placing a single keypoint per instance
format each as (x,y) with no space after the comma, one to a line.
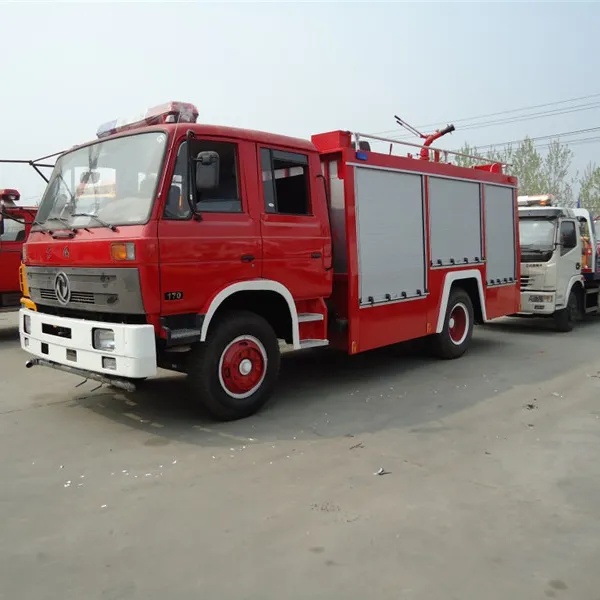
(560,268)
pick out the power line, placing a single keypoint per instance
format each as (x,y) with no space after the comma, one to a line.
(541,137)
(532,116)
(502,112)
(579,142)
(505,121)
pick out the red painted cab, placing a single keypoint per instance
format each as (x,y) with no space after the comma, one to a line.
(15,223)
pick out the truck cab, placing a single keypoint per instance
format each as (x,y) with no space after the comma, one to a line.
(15,223)
(555,250)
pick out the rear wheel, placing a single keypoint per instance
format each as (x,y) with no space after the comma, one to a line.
(233,373)
(457,331)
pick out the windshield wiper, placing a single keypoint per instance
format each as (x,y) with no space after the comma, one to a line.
(63,221)
(536,250)
(98,220)
(41,227)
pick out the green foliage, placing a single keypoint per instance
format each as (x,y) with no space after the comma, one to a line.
(590,189)
(536,173)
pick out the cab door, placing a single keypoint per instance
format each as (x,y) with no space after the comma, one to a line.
(569,257)
(294,223)
(11,245)
(200,257)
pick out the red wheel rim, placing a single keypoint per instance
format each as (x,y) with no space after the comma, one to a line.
(242,367)
(458,324)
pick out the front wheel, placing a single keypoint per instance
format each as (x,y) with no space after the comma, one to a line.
(564,320)
(457,331)
(234,372)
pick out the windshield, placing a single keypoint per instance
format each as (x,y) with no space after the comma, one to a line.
(537,233)
(111,182)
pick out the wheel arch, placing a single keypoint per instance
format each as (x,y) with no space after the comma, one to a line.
(575,283)
(254,287)
(470,280)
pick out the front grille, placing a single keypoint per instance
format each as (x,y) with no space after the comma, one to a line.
(525,282)
(113,290)
(76,297)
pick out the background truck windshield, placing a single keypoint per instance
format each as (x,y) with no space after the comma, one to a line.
(537,233)
(110,182)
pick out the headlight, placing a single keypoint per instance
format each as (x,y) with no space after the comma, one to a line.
(103,339)
(26,323)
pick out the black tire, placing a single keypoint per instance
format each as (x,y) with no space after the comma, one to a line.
(242,340)
(452,342)
(564,320)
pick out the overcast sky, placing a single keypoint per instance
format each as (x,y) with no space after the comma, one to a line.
(293,68)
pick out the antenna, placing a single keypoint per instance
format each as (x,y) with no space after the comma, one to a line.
(409,127)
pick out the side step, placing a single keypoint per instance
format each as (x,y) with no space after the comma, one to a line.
(182,336)
(590,292)
(304,344)
(309,317)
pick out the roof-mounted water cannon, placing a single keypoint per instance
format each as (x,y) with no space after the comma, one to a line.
(538,200)
(429,138)
(171,112)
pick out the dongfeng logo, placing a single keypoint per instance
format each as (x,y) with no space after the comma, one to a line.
(62,288)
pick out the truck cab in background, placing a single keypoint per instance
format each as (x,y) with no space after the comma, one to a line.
(560,270)
(15,223)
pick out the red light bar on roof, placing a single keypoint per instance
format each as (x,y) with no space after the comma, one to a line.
(539,200)
(9,196)
(171,112)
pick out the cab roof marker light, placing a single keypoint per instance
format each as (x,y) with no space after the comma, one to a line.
(170,112)
(538,200)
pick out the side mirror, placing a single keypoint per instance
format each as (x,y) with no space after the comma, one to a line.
(207,170)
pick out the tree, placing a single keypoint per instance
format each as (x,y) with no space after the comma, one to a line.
(555,173)
(589,194)
(536,174)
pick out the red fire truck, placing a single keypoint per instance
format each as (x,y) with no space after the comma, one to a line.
(15,223)
(219,242)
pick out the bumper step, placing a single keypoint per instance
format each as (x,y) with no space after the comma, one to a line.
(118,382)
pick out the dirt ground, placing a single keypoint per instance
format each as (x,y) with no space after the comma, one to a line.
(491,491)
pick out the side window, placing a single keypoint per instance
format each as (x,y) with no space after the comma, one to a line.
(13,231)
(285,182)
(224,199)
(568,236)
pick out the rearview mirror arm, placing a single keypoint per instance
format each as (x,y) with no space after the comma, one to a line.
(191,179)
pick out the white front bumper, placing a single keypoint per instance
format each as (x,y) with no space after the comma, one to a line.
(537,303)
(134,353)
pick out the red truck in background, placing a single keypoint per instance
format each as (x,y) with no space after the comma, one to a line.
(218,242)
(15,223)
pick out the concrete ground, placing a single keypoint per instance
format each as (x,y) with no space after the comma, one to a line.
(492,490)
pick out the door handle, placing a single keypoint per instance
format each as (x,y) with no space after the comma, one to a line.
(316,255)
(578,266)
(247,257)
